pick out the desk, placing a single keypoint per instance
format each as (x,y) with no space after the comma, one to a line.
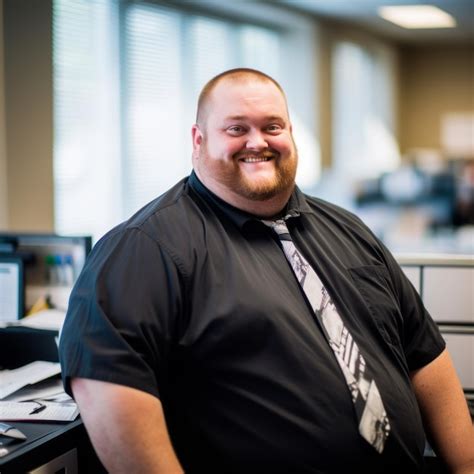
(57,447)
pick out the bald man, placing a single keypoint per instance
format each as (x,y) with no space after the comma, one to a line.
(237,325)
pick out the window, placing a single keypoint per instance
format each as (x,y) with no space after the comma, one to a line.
(127,75)
(86,150)
(154,152)
(364,113)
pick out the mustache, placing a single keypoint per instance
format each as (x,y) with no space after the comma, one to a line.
(261,154)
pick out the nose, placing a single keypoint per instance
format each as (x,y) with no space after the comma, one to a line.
(256,140)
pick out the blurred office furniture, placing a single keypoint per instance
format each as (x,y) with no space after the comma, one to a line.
(446,286)
(51,264)
(50,448)
(426,205)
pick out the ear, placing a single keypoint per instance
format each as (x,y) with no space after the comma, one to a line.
(197,140)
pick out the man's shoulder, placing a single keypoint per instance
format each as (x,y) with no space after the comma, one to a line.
(168,205)
(330,211)
(168,221)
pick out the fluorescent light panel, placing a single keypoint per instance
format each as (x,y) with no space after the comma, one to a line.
(417,16)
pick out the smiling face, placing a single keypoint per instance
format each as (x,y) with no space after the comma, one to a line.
(243,149)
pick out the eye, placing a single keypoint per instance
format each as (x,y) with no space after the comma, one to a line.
(236,130)
(274,127)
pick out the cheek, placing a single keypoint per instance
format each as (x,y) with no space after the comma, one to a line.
(282,144)
(228,148)
(223,147)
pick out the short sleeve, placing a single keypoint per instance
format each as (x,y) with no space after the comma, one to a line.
(123,313)
(421,338)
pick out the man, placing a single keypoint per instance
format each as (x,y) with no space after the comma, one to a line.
(192,345)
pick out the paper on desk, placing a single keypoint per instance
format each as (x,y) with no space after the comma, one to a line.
(46,319)
(21,411)
(13,380)
(50,389)
(60,398)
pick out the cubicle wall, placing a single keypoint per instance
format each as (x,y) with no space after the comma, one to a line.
(446,285)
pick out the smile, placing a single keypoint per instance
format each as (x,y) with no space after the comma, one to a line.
(255,159)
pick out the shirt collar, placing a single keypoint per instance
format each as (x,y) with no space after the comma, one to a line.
(295,207)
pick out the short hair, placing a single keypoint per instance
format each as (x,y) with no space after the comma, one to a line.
(232,74)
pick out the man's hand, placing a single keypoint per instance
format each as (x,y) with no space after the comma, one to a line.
(445,413)
(127,428)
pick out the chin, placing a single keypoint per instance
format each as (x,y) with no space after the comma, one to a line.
(263,191)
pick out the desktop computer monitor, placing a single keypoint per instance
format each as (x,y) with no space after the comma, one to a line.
(51,264)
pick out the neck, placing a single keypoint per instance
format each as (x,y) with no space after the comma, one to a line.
(267,209)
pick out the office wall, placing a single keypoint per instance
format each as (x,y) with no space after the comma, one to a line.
(3,150)
(434,80)
(29,113)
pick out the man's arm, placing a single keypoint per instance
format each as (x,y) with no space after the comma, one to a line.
(445,413)
(126,426)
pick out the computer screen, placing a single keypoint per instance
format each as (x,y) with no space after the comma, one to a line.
(11,288)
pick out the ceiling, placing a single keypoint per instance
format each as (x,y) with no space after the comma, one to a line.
(363,13)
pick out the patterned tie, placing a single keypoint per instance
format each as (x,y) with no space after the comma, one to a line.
(373,421)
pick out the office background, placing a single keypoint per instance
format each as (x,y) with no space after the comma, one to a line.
(85,83)
(370,105)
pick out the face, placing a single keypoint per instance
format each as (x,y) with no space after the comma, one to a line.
(244,149)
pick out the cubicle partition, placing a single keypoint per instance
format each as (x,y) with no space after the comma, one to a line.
(446,286)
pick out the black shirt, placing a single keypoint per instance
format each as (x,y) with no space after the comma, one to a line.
(193,301)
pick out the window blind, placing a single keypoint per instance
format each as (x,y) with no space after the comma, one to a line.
(363,114)
(86,125)
(153,158)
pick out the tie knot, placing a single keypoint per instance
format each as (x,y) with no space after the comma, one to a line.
(280,227)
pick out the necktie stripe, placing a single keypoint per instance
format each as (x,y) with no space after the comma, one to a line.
(374,425)
(352,362)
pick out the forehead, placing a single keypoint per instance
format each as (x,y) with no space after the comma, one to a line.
(246,97)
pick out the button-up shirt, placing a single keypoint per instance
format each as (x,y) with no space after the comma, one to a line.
(193,301)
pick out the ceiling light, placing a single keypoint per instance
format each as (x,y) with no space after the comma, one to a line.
(417,16)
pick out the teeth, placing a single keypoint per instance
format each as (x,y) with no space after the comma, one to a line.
(255,160)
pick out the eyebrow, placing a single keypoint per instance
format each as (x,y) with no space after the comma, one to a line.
(269,118)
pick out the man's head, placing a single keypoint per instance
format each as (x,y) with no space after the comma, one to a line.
(243,149)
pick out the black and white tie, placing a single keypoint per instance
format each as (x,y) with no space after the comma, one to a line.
(373,421)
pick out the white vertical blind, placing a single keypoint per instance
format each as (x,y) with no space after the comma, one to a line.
(209,49)
(260,49)
(86,124)
(363,114)
(153,158)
